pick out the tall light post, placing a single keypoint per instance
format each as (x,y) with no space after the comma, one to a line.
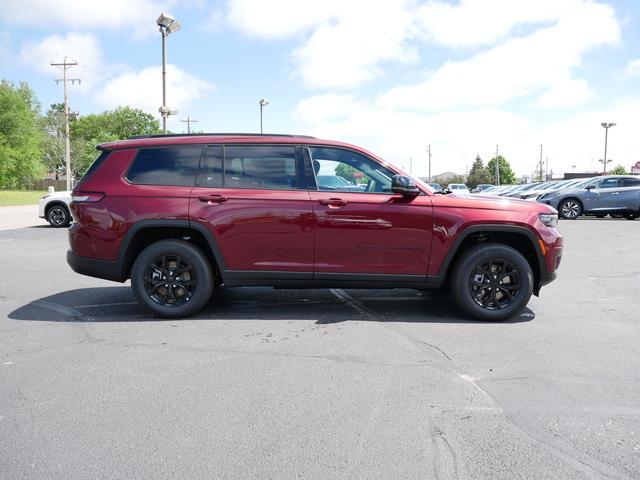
(263,103)
(606,127)
(167,24)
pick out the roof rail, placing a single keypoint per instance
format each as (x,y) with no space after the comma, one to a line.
(163,135)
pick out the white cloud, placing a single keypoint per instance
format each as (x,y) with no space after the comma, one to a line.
(632,69)
(456,137)
(518,67)
(473,23)
(136,16)
(143,89)
(5,44)
(81,47)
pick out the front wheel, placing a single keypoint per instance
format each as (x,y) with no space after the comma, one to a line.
(570,209)
(492,282)
(172,279)
(631,216)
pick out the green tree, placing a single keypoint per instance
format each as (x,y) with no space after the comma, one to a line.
(91,130)
(506,174)
(478,174)
(347,172)
(619,170)
(20,136)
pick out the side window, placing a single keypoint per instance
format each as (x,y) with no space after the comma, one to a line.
(165,166)
(607,183)
(347,171)
(630,182)
(260,167)
(211,171)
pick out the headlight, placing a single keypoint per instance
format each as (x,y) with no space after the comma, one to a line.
(549,219)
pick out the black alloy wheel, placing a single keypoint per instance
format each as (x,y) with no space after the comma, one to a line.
(492,282)
(58,216)
(570,209)
(172,278)
(495,284)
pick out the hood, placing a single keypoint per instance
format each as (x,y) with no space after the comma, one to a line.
(490,202)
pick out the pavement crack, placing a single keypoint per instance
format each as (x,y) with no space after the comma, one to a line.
(437,348)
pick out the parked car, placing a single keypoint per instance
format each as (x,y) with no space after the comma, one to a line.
(54,207)
(499,190)
(523,187)
(614,195)
(336,182)
(459,188)
(436,186)
(482,187)
(181,215)
(547,187)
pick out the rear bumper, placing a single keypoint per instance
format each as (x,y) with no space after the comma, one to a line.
(105,269)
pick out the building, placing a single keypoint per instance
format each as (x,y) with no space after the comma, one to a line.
(635,169)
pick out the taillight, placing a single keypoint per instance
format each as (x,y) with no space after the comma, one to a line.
(87,197)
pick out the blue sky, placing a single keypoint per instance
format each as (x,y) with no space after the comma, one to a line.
(391,76)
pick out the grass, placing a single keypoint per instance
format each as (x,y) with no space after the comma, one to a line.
(20,197)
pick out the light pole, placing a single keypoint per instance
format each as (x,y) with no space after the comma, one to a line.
(606,127)
(263,103)
(167,24)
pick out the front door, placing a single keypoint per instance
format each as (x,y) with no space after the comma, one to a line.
(604,196)
(254,200)
(361,226)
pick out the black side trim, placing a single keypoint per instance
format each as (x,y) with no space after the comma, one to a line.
(106,269)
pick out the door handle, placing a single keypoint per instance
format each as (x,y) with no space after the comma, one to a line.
(333,202)
(213,198)
(615,193)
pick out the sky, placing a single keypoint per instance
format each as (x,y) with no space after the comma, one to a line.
(392,76)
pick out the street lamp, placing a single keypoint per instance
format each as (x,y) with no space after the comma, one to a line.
(606,127)
(263,103)
(167,24)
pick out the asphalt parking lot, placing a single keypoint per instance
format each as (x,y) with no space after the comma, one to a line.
(339,384)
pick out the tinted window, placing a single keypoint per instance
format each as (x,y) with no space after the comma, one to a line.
(165,166)
(260,167)
(607,183)
(347,171)
(630,182)
(211,172)
(94,166)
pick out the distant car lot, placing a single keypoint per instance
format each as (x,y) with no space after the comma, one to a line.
(296,383)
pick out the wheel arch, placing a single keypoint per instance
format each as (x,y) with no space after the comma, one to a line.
(56,203)
(572,197)
(145,232)
(520,238)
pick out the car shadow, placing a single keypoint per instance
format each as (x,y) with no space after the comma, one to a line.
(323,306)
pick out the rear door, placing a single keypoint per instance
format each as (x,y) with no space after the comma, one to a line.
(254,200)
(604,195)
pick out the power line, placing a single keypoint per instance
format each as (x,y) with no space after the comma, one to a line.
(64,66)
(189,121)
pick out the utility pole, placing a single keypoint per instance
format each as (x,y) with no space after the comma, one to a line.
(606,127)
(64,66)
(573,167)
(546,170)
(540,163)
(410,164)
(497,167)
(189,121)
(429,150)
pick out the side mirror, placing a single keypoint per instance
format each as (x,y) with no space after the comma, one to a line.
(590,187)
(404,185)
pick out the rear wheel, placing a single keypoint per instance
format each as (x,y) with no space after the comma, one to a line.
(172,278)
(570,209)
(492,282)
(631,216)
(58,216)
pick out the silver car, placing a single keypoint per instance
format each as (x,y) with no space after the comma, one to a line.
(614,195)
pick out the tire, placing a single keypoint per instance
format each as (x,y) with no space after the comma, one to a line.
(476,293)
(570,208)
(58,216)
(187,292)
(631,216)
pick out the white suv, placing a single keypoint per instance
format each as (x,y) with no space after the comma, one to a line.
(54,207)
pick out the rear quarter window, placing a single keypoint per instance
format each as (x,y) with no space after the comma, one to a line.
(174,166)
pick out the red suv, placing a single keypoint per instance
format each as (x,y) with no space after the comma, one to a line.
(183,214)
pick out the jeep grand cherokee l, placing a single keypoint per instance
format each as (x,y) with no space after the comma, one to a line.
(181,215)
